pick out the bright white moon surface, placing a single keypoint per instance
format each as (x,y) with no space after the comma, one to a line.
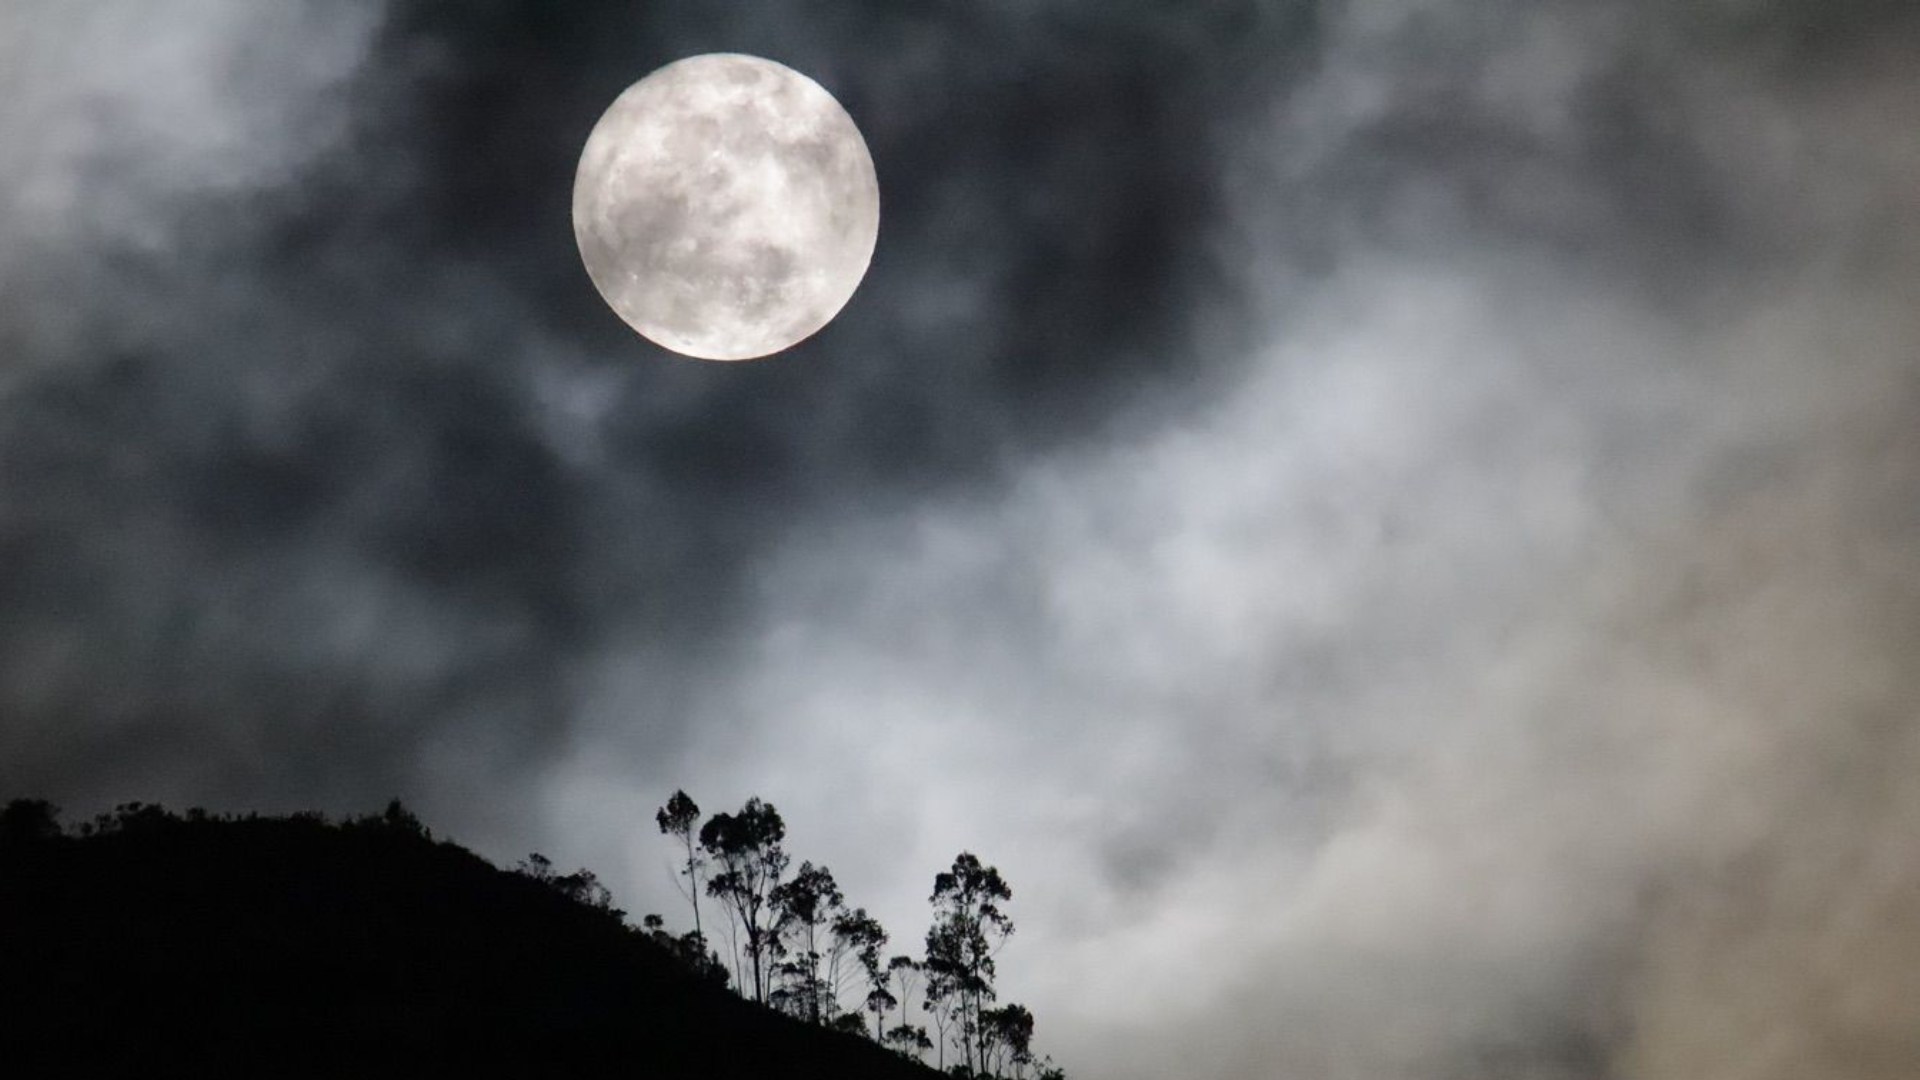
(726,207)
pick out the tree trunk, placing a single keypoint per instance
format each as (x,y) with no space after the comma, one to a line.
(759,983)
(970,1028)
(693,886)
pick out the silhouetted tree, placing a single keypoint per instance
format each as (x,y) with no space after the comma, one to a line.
(1006,1039)
(27,821)
(850,1024)
(680,819)
(397,816)
(942,1006)
(904,972)
(879,1001)
(806,909)
(584,887)
(968,928)
(138,817)
(909,1041)
(858,939)
(689,948)
(861,935)
(747,847)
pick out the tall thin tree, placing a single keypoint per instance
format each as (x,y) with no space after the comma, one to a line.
(941,1005)
(680,819)
(861,935)
(904,972)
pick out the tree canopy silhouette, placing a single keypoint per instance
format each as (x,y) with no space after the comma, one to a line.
(806,909)
(747,849)
(968,928)
(806,949)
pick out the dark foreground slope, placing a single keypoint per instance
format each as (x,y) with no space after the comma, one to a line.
(291,946)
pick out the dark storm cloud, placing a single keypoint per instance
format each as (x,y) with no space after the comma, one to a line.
(326,469)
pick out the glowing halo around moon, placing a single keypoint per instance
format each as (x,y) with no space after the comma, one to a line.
(726,207)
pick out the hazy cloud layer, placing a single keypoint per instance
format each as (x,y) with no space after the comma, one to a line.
(1396,526)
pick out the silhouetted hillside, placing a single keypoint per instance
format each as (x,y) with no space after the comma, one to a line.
(156,944)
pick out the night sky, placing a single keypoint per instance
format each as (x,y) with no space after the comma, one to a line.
(1395,525)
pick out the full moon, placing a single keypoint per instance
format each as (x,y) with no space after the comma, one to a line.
(726,207)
